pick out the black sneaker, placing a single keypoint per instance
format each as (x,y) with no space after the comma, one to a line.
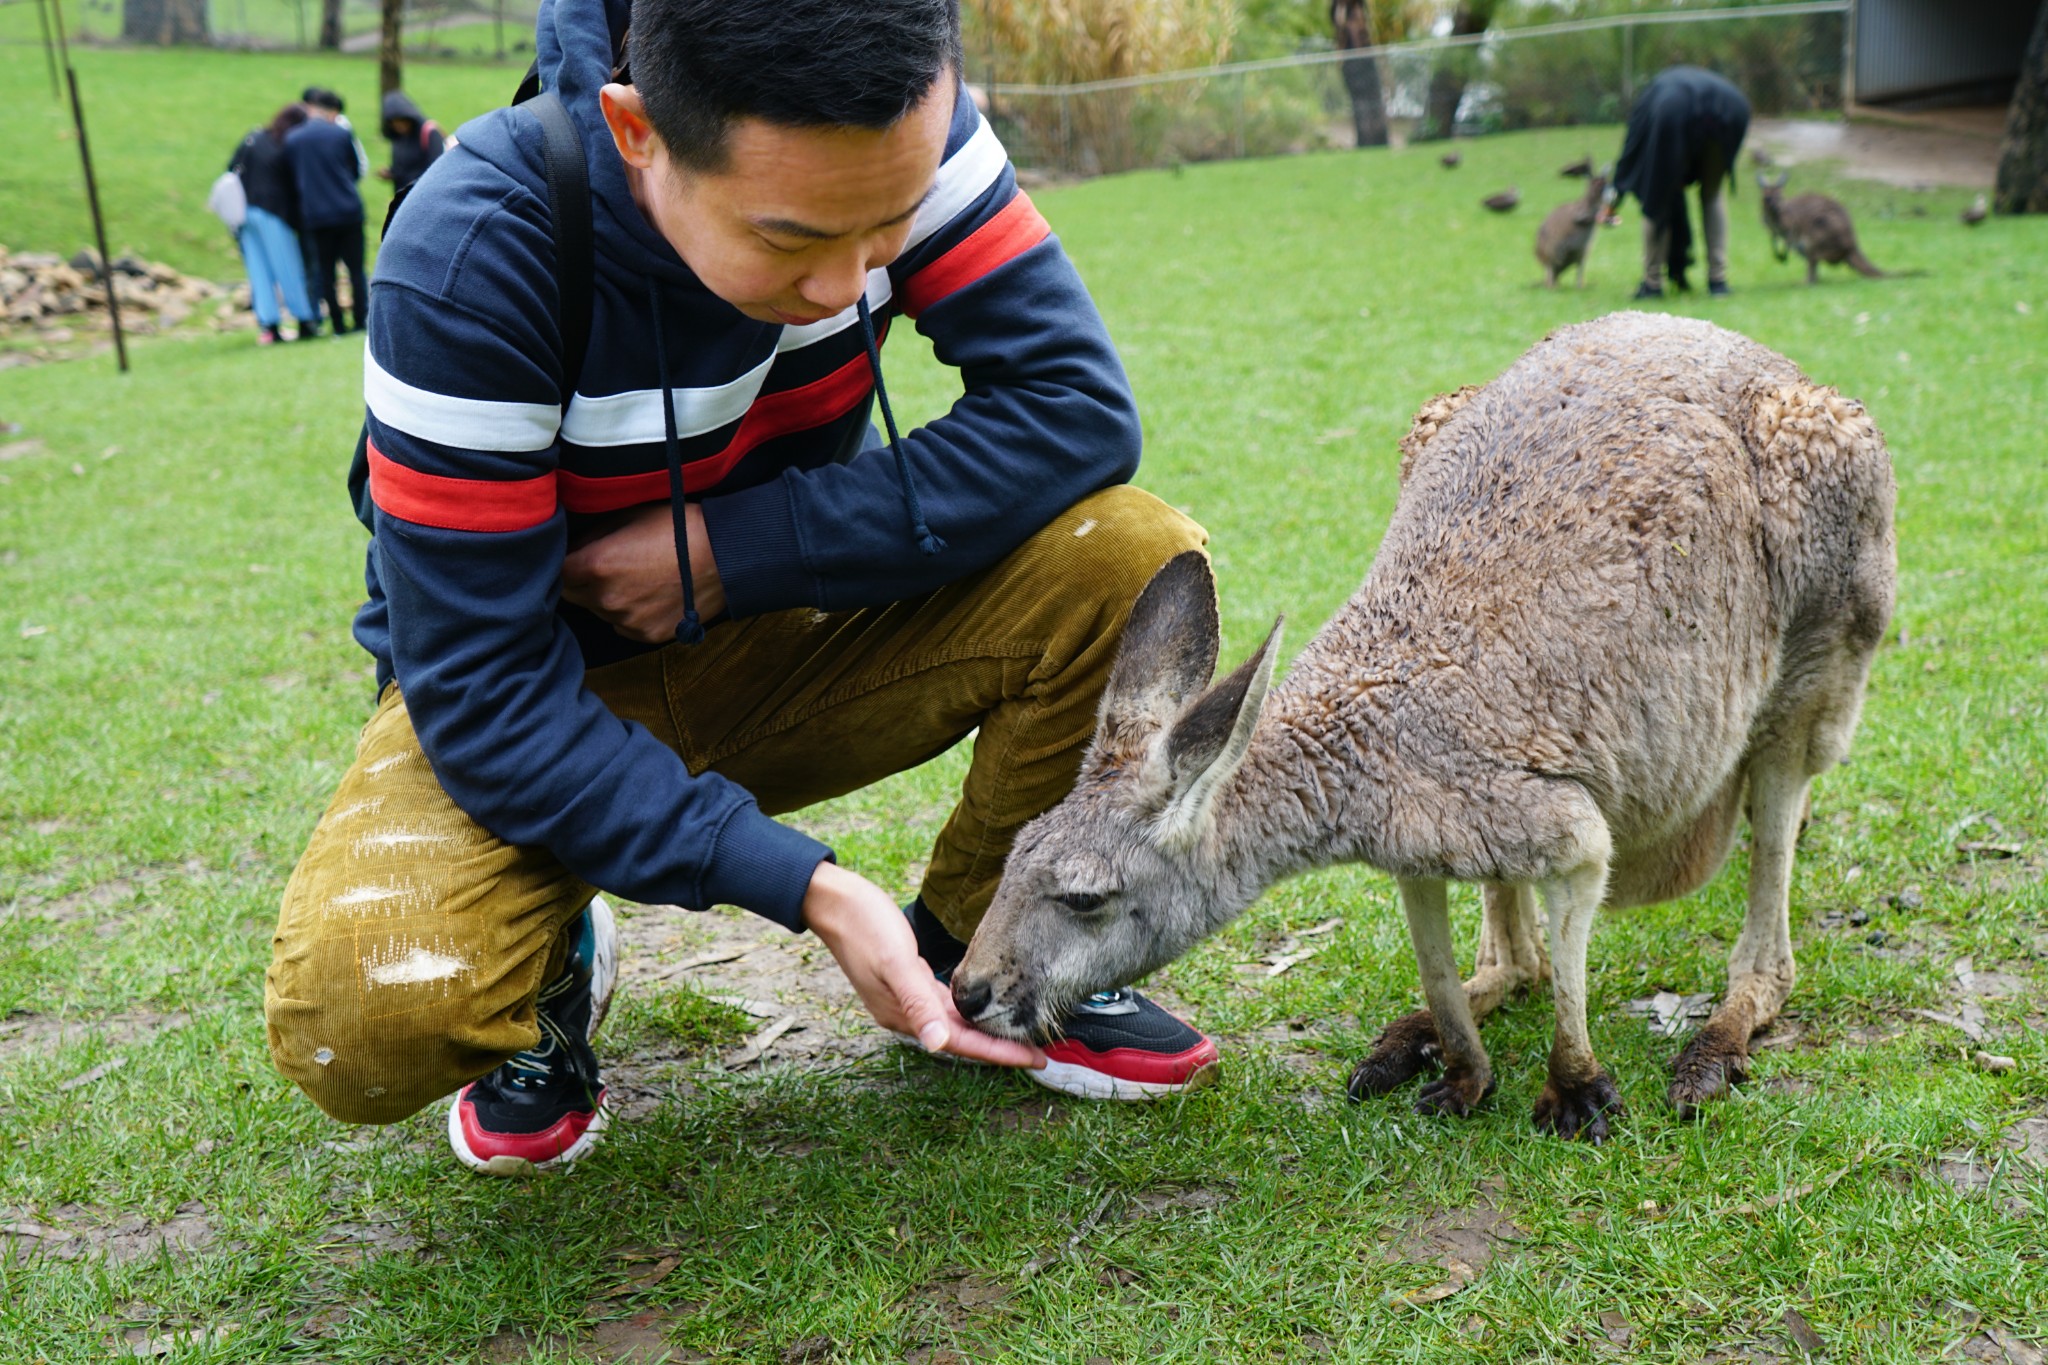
(1120,1046)
(1649,291)
(1717,288)
(543,1109)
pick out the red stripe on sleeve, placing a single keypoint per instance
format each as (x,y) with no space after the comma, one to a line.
(773,414)
(1015,229)
(460,504)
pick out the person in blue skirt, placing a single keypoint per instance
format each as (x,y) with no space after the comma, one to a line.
(269,232)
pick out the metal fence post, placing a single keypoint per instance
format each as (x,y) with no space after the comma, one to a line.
(1067,134)
(1241,77)
(1628,66)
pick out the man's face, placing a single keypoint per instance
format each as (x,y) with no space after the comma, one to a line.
(788,231)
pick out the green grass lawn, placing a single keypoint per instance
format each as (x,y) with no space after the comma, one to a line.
(178,694)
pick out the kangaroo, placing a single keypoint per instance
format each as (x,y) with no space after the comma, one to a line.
(1813,225)
(1630,591)
(1567,233)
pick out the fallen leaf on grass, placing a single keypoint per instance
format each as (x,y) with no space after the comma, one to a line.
(88,1077)
(645,1280)
(1670,1013)
(1284,961)
(1617,1328)
(1801,1191)
(1460,1276)
(757,1046)
(30,632)
(1317,931)
(1802,1333)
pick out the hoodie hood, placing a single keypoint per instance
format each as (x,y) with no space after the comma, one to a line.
(398,105)
(580,43)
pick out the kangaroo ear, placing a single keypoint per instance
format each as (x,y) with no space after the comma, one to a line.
(1206,745)
(1168,652)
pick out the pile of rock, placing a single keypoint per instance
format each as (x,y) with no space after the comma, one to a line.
(46,294)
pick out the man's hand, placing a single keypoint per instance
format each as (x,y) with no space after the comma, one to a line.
(628,578)
(871,939)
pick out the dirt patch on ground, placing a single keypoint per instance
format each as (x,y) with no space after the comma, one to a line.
(24,1033)
(1460,1243)
(76,1232)
(1908,157)
(642,1339)
(2020,1154)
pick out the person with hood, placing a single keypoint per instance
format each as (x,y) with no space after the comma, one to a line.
(325,168)
(1686,129)
(416,141)
(268,236)
(628,605)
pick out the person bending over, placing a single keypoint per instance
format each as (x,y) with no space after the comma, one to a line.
(627,608)
(1686,129)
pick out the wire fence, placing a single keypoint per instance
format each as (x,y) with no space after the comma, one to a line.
(1787,58)
(488,29)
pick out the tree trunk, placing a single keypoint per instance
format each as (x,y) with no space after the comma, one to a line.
(1351,23)
(330,25)
(2023,157)
(1453,68)
(390,61)
(164,22)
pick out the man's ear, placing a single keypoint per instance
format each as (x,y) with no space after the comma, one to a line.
(626,116)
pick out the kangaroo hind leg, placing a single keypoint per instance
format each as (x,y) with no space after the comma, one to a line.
(1510,959)
(1760,970)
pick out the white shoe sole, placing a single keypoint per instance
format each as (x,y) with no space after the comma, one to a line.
(604,979)
(516,1165)
(1090,1084)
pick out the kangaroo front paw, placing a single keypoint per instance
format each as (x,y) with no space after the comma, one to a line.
(1703,1072)
(1404,1050)
(1456,1093)
(1579,1111)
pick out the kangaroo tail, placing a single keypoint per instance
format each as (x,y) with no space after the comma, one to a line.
(1863,265)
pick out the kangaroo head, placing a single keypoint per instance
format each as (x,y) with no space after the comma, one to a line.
(1125,875)
(1773,192)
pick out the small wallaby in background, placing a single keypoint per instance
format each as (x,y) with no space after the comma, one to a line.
(1630,594)
(1567,233)
(1815,226)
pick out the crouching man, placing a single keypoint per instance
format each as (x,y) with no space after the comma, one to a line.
(626,607)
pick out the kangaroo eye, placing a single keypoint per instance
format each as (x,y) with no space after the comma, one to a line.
(1082,902)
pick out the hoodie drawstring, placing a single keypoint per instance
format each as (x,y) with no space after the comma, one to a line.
(919,531)
(690,630)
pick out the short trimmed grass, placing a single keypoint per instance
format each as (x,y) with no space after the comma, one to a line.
(178,693)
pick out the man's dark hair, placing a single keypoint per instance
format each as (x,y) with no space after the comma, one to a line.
(321,97)
(702,65)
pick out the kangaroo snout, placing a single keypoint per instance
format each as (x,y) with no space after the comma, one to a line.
(971,996)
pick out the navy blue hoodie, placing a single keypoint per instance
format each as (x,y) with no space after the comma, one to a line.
(324,167)
(480,478)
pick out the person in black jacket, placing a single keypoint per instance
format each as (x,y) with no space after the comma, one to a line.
(325,169)
(416,141)
(269,233)
(1686,129)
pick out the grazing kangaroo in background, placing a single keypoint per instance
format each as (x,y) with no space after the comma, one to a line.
(1567,233)
(1815,226)
(1630,591)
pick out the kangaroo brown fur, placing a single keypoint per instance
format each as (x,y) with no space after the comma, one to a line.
(1816,227)
(1567,233)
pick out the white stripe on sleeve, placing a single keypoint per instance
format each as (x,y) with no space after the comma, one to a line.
(466,423)
(634,417)
(963,178)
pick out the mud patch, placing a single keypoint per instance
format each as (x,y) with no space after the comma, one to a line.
(2021,1153)
(949,1310)
(1171,1201)
(1460,1243)
(1025,1118)
(79,1232)
(26,1033)
(642,1339)
(356,1243)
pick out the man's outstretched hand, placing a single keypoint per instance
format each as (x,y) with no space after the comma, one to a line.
(872,942)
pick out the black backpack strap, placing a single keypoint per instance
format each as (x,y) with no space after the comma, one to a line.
(569,217)
(569,223)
